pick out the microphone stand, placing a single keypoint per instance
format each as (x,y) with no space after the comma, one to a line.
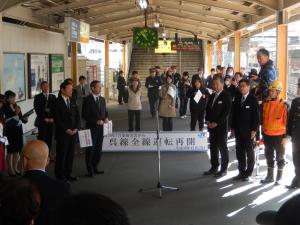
(159,185)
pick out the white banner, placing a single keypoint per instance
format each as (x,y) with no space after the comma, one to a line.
(181,141)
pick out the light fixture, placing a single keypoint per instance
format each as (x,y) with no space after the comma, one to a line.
(143,4)
(252,28)
(156,24)
(164,34)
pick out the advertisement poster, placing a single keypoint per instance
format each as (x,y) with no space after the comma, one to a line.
(38,71)
(14,74)
(165,46)
(57,71)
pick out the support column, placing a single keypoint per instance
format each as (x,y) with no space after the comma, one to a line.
(219,52)
(74,63)
(282,51)
(106,70)
(209,56)
(124,59)
(237,51)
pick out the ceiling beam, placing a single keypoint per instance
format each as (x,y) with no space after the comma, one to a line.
(289,3)
(113,8)
(105,18)
(74,5)
(185,14)
(269,4)
(200,11)
(187,22)
(226,5)
(191,28)
(119,28)
(6,4)
(117,23)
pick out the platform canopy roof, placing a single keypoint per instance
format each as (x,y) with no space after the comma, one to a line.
(207,19)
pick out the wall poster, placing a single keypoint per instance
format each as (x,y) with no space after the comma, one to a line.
(57,71)
(38,71)
(14,74)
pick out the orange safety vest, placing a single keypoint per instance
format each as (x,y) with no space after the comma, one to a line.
(274,117)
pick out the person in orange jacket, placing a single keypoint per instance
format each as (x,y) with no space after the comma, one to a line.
(274,129)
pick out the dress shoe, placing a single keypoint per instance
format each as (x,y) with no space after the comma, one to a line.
(238,177)
(90,173)
(96,171)
(71,179)
(221,173)
(210,172)
(246,178)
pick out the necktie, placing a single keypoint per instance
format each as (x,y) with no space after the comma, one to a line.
(215,98)
(82,90)
(98,102)
(68,103)
(243,100)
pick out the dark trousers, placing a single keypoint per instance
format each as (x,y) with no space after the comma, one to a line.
(153,99)
(93,154)
(183,106)
(218,143)
(245,155)
(197,116)
(134,114)
(296,157)
(167,123)
(65,147)
(45,134)
(272,145)
(121,96)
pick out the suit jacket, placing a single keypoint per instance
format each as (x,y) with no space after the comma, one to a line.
(219,113)
(52,191)
(245,118)
(43,108)
(80,94)
(65,118)
(91,113)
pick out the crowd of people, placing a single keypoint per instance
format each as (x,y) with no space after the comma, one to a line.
(249,106)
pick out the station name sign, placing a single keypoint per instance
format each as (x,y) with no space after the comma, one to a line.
(76,31)
(187,44)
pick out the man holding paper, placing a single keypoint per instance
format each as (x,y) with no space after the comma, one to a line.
(95,114)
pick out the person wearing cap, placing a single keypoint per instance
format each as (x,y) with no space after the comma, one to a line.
(153,83)
(294,132)
(288,214)
(274,123)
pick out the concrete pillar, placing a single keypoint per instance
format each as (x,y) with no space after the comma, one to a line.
(74,62)
(282,50)
(219,52)
(237,51)
(124,59)
(209,53)
(106,70)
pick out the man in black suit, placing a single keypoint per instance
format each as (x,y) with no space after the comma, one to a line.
(245,121)
(95,114)
(217,113)
(52,192)
(44,108)
(67,123)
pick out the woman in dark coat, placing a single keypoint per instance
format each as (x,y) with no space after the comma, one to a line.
(197,109)
(13,131)
(2,140)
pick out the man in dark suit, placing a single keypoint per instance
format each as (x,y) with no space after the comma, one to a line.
(52,192)
(121,86)
(217,113)
(245,122)
(95,113)
(44,108)
(67,123)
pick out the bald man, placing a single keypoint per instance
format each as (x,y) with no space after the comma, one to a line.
(35,157)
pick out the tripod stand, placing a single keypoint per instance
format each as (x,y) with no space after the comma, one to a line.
(159,185)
